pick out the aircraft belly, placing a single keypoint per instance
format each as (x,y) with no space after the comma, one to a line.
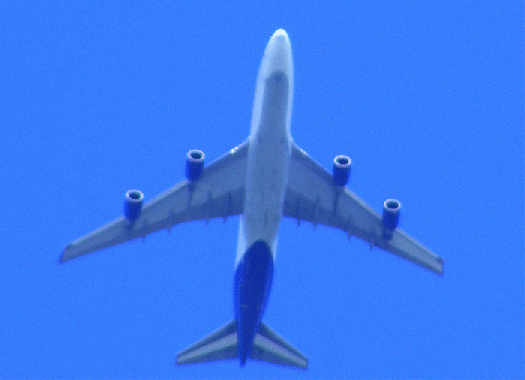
(268,163)
(265,190)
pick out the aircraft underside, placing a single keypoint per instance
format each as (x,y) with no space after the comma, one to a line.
(262,180)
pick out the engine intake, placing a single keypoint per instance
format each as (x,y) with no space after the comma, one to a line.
(133,204)
(341,172)
(391,209)
(194,164)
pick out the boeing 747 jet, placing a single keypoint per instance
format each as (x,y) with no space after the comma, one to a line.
(265,178)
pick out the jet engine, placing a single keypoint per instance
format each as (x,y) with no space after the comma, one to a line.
(194,164)
(391,209)
(341,172)
(133,204)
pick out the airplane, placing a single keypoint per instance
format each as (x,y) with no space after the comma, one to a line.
(263,179)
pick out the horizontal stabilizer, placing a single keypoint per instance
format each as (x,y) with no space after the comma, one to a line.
(267,346)
(219,345)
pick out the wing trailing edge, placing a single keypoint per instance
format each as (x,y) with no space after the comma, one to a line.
(220,345)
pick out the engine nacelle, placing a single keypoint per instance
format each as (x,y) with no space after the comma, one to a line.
(341,172)
(194,164)
(133,204)
(391,209)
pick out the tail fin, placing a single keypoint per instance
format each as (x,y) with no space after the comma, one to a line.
(268,347)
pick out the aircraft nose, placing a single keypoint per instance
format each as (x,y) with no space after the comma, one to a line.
(280,38)
(279,53)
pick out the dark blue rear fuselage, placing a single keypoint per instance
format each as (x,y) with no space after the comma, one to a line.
(252,284)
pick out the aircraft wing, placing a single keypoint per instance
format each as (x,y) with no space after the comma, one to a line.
(218,193)
(312,196)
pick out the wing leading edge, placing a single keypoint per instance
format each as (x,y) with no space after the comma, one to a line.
(218,193)
(311,196)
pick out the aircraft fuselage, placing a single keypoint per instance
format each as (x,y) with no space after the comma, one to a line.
(266,179)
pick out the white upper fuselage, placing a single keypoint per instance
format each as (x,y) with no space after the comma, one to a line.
(270,144)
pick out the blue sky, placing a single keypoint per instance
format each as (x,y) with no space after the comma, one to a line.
(428,101)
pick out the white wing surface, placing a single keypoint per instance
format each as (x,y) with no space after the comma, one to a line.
(312,196)
(218,193)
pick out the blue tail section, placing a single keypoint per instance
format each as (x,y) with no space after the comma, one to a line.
(252,284)
(246,336)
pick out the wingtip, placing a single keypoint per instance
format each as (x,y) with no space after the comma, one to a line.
(442,262)
(61,259)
